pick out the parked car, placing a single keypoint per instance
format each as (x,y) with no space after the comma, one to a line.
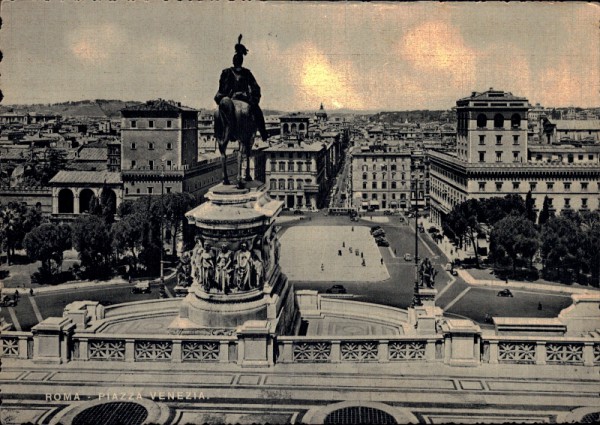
(387,212)
(8,301)
(141,288)
(505,293)
(379,232)
(375,228)
(336,289)
(354,218)
(382,242)
(408,257)
(433,229)
(298,212)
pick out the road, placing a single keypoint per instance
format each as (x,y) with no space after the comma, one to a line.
(456,297)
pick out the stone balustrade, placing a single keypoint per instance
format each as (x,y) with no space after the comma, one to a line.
(494,349)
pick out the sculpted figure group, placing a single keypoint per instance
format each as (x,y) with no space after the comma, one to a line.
(226,271)
(427,273)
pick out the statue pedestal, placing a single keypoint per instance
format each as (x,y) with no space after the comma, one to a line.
(236,274)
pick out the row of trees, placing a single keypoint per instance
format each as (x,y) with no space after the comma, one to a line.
(103,241)
(568,243)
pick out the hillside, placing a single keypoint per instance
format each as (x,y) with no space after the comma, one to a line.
(83,108)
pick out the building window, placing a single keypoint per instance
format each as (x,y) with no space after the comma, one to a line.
(394,185)
(281,184)
(481,156)
(384,185)
(516,156)
(151,124)
(393,166)
(150,189)
(290,166)
(481,121)
(550,185)
(482,139)
(133,164)
(538,157)
(498,186)
(282,166)
(290,184)
(151,164)
(580,157)
(133,147)
(567,185)
(308,166)
(151,146)
(365,196)
(364,185)
(168,189)
(169,123)
(584,186)
(169,164)
(584,203)
(133,124)
(498,121)
(532,186)
(481,186)
(299,166)
(515,121)
(169,146)
(137,190)
(567,203)
(591,157)
(498,156)
(374,185)
(516,185)
(272,184)
(515,140)
(499,139)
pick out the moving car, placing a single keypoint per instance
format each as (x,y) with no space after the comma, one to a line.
(141,288)
(505,293)
(336,289)
(408,257)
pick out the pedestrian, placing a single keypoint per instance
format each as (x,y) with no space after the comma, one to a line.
(340,252)
(322,267)
(17,295)
(382,261)
(363,262)
(353,228)
(539,306)
(361,255)
(344,244)
(31,292)
(394,251)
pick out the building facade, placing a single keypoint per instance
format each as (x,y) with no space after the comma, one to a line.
(493,159)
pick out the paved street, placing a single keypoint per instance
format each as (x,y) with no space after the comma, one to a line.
(455,296)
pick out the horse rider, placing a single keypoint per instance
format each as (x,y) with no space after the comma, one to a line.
(238,83)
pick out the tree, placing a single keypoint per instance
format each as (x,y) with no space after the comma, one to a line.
(54,161)
(589,235)
(530,207)
(464,222)
(92,240)
(496,208)
(560,244)
(175,207)
(128,237)
(545,214)
(516,238)
(16,220)
(46,243)
(103,206)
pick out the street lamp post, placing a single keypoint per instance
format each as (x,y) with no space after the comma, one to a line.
(416,295)
(162,217)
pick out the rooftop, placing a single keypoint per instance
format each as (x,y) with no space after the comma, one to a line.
(86,177)
(161,105)
(491,95)
(576,124)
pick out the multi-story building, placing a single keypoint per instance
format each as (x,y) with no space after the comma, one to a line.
(385,176)
(159,151)
(296,173)
(492,159)
(585,131)
(294,124)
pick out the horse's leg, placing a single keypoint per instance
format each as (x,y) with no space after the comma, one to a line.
(225,174)
(240,181)
(248,153)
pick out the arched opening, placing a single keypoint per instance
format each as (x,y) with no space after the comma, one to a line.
(65,201)
(293,127)
(110,197)
(481,121)
(38,206)
(286,128)
(498,121)
(515,121)
(85,198)
(301,127)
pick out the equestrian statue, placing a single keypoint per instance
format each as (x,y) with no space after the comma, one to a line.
(238,115)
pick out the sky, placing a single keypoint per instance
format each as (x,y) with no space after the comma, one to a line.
(355,55)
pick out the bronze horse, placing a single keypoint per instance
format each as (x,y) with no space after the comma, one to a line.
(234,121)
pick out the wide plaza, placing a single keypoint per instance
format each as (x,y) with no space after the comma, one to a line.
(331,253)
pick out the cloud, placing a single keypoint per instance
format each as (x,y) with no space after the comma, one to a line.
(321,79)
(438,50)
(94,44)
